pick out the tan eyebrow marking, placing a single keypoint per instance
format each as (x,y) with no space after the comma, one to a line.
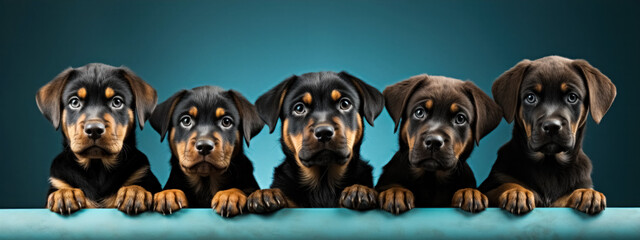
(454,108)
(109,92)
(429,104)
(82,92)
(564,87)
(538,88)
(307,98)
(335,95)
(193,111)
(219,112)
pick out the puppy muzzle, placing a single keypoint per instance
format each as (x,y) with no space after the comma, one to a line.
(552,135)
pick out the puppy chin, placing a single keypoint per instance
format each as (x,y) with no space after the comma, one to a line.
(94,152)
(551,148)
(323,158)
(432,164)
(204,168)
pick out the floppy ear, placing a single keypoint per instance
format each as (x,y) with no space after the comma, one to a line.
(161,117)
(269,104)
(507,87)
(397,95)
(488,113)
(251,122)
(372,100)
(601,89)
(145,96)
(49,97)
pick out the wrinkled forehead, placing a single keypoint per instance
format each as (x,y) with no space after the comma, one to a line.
(207,103)
(552,76)
(322,87)
(97,81)
(441,94)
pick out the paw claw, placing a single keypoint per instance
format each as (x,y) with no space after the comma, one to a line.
(587,200)
(266,200)
(229,203)
(517,200)
(396,200)
(357,197)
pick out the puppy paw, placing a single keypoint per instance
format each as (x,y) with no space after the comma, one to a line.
(169,201)
(359,197)
(229,203)
(470,200)
(67,200)
(588,201)
(517,201)
(396,200)
(266,200)
(133,199)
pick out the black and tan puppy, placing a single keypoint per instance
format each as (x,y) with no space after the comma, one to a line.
(440,120)
(543,165)
(322,131)
(206,126)
(99,167)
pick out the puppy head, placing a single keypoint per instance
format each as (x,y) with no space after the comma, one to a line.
(549,98)
(440,119)
(206,126)
(321,115)
(95,105)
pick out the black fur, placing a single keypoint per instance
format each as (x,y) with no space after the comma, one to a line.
(335,101)
(206,124)
(78,98)
(287,178)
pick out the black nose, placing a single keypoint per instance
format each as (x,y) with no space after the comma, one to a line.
(433,142)
(204,146)
(324,133)
(551,126)
(94,129)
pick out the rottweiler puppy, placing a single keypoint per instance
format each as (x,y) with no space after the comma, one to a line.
(543,164)
(321,114)
(206,126)
(440,119)
(99,167)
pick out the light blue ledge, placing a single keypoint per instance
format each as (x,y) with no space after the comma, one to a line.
(435,223)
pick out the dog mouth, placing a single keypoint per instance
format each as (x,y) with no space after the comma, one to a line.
(323,157)
(432,160)
(431,163)
(94,151)
(551,146)
(204,168)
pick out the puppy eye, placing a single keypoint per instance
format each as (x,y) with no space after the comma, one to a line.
(299,109)
(226,122)
(345,104)
(75,103)
(186,121)
(419,113)
(531,98)
(460,118)
(572,98)
(117,102)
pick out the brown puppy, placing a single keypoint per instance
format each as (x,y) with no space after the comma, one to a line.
(543,164)
(441,119)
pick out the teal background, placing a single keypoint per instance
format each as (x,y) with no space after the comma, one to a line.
(252,45)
